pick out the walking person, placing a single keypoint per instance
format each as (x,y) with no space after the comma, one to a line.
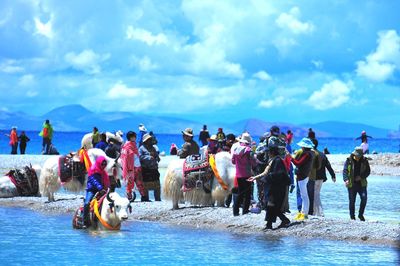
(47,135)
(303,161)
(320,179)
(243,160)
(132,172)
(23,140)
(204,136)
(13,139)
(355,172)
(276,177)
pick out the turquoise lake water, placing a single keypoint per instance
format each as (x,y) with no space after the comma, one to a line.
(30,238)
(71,141)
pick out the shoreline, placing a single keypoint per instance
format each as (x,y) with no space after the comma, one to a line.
(220,218)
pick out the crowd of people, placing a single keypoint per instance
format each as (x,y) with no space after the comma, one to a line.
(276,169)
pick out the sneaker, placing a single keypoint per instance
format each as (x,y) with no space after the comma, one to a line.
(297,216)
(267,227)
(361,217)
(302,217)
(352,217)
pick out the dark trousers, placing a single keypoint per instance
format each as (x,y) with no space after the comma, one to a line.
(273,212)
(298,197)
(22,148)
(362,191)
(14,148)
(46,145)
(310,190)
(244,194)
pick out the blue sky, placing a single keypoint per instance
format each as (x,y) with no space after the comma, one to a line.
(280,61)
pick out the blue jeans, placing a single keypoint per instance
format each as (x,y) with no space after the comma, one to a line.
(89,197)
(298,196)
(362,191)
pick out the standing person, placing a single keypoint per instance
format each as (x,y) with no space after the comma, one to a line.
(132,172)
(23,139)
(102,144)
(47,134)
(95,137)
(98,181)
(364,141)
(221,138)
(316,165)
(243,160)
(321,177)
(13,139)
(190,146)
(355,172)
(303,160)
(277,178)
(142,131)
(204,136)
(289,137)
(149,161)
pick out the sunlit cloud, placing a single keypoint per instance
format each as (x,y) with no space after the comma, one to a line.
(331,95)
(87,61)
(145,36)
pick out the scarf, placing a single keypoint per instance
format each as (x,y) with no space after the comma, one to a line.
(97,169)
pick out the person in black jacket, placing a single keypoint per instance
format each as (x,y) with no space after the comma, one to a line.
(204,136)
(320,178)
(277,178)
(23,139)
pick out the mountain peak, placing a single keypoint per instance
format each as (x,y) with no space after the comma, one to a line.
(70,110)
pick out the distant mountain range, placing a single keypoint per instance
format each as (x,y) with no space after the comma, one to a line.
(79,119)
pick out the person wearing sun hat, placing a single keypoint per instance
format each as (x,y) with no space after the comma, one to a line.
(355,172)
(142,131)
(190,146)
(243,160)
(303,161)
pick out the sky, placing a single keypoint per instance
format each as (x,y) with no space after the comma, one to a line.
(280,61)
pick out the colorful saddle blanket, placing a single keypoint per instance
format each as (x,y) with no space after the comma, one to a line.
(70,168)
(197,172)
(25,181)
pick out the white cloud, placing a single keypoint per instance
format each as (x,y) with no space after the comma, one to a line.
(10,67)
(44,29)
(145,36)
(380,65)
(262,75)
(291,22)
(331,95)
(145,64)
(87,61)
(277,101)
(27,80)
(318,64)
(120,91)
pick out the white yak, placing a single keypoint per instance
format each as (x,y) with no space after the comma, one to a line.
(49,181)
(86,141)
(173,182)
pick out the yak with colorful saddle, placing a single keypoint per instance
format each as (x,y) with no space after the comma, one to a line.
(197,173)
(25,180)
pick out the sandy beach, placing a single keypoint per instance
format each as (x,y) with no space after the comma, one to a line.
(370,232)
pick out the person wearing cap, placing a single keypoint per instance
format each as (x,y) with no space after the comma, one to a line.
(132,171)
(355,172)
(303,160)
(13,139)
(190,146)
(364,141)
(277,179)
(243,160)
(47,135)
(204,136)
(142,131)
(149,159)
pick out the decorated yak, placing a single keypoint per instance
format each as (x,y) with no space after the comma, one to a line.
(20,182)
(87,139)
(201,180)
(70,171)
(107,212)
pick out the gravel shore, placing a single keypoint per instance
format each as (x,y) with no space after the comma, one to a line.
(370,232)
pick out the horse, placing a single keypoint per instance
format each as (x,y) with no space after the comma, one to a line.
(20,182)
(50,181)
(173,182)
(113,211)
(87,139)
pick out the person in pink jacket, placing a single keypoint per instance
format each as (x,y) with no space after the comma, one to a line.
(132,171)
(243,159)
